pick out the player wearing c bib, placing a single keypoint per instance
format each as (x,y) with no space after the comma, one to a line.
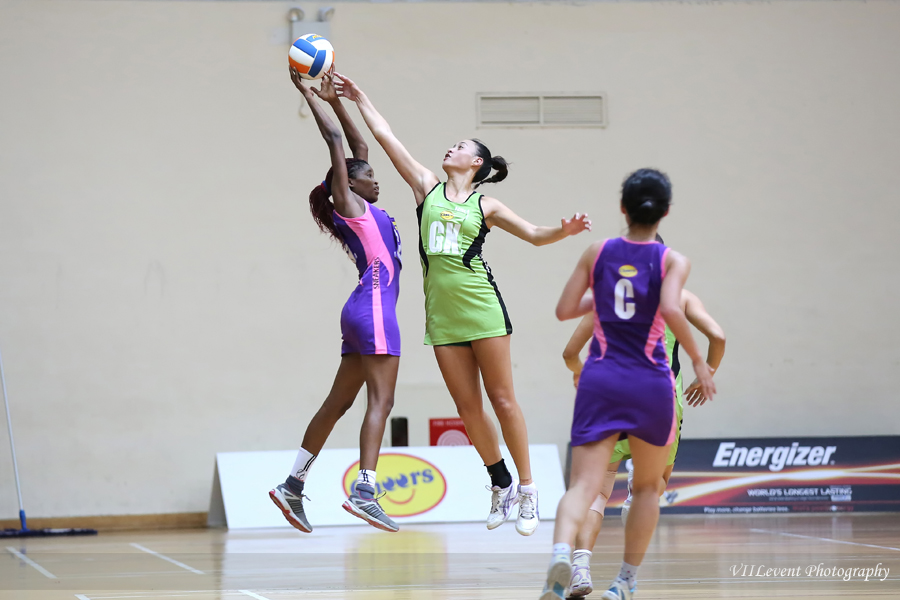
(581,584)
(343,206)
(465,318)
(626,388)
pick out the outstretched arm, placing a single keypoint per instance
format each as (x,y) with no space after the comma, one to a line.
(358,146)
(580,337)
(497,213)
(420,179)
(698,317)
(344,202)
(678,268)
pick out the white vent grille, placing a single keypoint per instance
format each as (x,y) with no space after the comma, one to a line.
(541,110)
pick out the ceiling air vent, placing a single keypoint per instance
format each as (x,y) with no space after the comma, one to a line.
(542,110)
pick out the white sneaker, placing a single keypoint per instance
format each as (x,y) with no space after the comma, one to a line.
(619,591)
(558,577)
(626,506)
(581,584)
(529,517)
(502,501)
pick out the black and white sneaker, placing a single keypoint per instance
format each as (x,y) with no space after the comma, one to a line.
(291,506)
(369,511)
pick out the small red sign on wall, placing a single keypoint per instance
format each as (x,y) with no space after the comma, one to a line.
(448,432)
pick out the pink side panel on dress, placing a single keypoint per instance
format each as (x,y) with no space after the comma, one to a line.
(598,328)
(377,256)
(674,431)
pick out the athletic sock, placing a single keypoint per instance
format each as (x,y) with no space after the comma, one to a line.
(302,464)
(581,558)
(562,550)
(628,574)
(365,484)
(295,485)
(500,476)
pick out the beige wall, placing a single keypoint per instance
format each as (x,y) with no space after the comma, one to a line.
(164,294)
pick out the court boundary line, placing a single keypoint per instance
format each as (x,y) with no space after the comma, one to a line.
(30,562)
(82,597)
(166,558)
(253,595)
(821,539)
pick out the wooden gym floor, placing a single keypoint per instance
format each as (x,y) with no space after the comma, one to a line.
(690,557)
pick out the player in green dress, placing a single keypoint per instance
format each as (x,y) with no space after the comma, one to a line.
(466,319)
(696,314)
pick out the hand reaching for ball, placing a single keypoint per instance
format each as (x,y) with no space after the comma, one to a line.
(346,88)
(327,91)
(298,83)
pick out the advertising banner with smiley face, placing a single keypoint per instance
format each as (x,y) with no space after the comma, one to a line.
(439,484)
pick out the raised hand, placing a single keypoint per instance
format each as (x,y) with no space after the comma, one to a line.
(326,91)
(346,88)
(576,224)
(298,82)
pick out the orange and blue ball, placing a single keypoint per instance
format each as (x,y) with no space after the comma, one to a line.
(312,56)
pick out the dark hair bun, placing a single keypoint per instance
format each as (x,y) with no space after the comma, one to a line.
(646,195)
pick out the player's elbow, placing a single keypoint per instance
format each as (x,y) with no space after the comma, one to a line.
(670,311)
(569,354)
(564,313)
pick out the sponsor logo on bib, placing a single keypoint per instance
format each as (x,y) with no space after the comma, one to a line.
(411,486)
(447,215)
(627,271)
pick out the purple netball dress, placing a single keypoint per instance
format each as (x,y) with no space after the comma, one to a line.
(369,319)
(626,385)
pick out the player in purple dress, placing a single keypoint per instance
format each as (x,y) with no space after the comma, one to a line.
(626,387)
(344,206)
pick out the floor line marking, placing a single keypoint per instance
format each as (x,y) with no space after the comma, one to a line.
(28,561)
(821,539)
(252,595)
(82,597)
(166,558)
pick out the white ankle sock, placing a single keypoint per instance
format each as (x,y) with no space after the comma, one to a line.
(581,557)
(531,488)
(628,574)
(366,477)
(562,549)
(303,464)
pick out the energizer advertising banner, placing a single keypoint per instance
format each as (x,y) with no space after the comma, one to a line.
(781,475)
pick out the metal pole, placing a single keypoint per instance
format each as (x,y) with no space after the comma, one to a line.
(12,446)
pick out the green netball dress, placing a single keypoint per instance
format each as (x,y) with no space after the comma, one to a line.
(462,302)
(622,450)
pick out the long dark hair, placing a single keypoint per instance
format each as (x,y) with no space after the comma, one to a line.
(490,163)
(320,204)
(646,195)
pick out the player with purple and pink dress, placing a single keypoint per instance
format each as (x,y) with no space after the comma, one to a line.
(343,207)
(369,319)
(626,388)
(626,384)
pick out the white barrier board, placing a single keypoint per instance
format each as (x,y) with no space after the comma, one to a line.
(434,484)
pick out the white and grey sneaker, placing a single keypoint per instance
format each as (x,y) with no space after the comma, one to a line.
(619,591)
(581,584)
(626,506)
(502,501)
(558,577)
(369,511)
(291,506)
(528,518)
